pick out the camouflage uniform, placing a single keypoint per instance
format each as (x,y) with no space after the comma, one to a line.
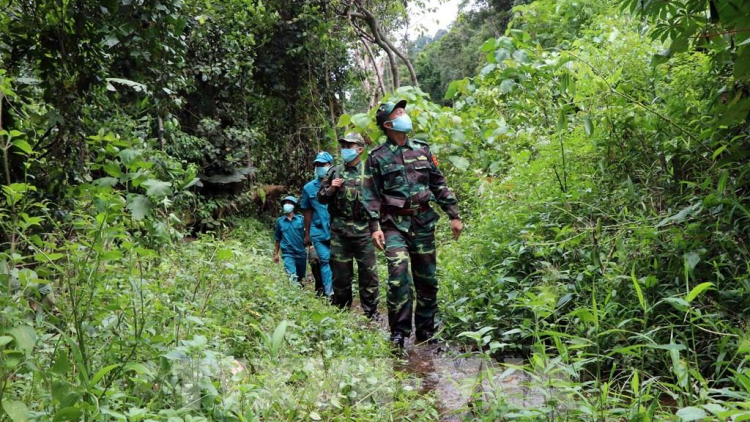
(399,184)
(350,238)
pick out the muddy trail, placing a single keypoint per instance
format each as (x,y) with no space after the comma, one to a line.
(462,384)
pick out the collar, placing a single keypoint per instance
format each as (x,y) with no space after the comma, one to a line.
(394,146)
(354,167)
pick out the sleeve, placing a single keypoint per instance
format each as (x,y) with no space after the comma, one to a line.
(324,193)
(277,232)
(305,202)
(439,187)
(371,193)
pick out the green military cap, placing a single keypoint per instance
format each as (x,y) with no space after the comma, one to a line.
(354,138)
(386,109)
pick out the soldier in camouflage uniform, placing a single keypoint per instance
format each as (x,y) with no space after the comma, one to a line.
(401,180)
(341,190)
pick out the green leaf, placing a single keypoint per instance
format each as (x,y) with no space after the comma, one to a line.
(157,188)
(61,365)
(5,340)
(691,414)
(224,254)
(278,338)
(344,120)
(488,46)
(25,338)
(521,56)
(23,146)
(692,259)
(452,90)
(16,410)
(698,290)
(361,120)
(507,85)
(101,373)
(138,368)
(501,55)
(68,414)
(140,206)
(637,287)
(562,120)
(588,127)
(459,162)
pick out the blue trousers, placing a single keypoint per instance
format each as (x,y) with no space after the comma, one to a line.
(323,249)
(295,266)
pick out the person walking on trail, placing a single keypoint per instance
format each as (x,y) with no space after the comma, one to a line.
(401,180)
(289,235)
(318,221)
(341,190)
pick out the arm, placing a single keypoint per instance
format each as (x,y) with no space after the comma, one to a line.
(307,211)
(372,201)
(277,242)
(371,194)
(327,189)
(443,195)
(308,223)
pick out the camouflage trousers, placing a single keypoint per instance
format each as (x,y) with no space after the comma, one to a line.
(344,251)
(400,249)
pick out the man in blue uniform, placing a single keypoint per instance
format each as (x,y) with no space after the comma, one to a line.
(318,221)
(289,235)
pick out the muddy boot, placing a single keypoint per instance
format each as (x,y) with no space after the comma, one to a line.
(397,341)
(425,337)
(373,317)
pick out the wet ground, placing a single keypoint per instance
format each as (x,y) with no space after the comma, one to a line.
(461,382)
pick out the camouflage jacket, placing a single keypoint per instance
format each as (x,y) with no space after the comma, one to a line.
(348,216)
(404,177)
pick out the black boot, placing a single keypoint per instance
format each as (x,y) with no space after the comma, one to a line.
(425,337)
(397,340)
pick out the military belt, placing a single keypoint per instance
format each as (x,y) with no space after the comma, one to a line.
(407,211)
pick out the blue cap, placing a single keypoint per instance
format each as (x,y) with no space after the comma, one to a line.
(291,199)
(323,157)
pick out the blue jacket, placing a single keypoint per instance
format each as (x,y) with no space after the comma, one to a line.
(291,235)
(320,227)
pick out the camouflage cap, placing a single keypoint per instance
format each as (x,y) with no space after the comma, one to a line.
(385,110)
(354,138)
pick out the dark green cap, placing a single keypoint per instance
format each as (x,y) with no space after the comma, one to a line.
(386,109)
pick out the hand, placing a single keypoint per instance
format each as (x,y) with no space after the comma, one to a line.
(456,227)
(276,258)
(307,240)
(336,183)
(378,239)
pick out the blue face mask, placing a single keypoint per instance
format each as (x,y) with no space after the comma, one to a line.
(321,172)
(349,154)
(288,208)
(401,123)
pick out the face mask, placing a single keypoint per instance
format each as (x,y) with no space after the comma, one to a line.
(288,208)
(349,154)
(401,123)
(321,172)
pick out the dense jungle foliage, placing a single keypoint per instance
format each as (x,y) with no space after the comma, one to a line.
(600,152)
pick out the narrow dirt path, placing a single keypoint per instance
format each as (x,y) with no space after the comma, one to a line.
(454,379)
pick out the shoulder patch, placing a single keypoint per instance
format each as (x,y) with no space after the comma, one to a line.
(420,142)
(378,148)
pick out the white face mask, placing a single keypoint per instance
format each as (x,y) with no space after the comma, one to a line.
(288,208)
